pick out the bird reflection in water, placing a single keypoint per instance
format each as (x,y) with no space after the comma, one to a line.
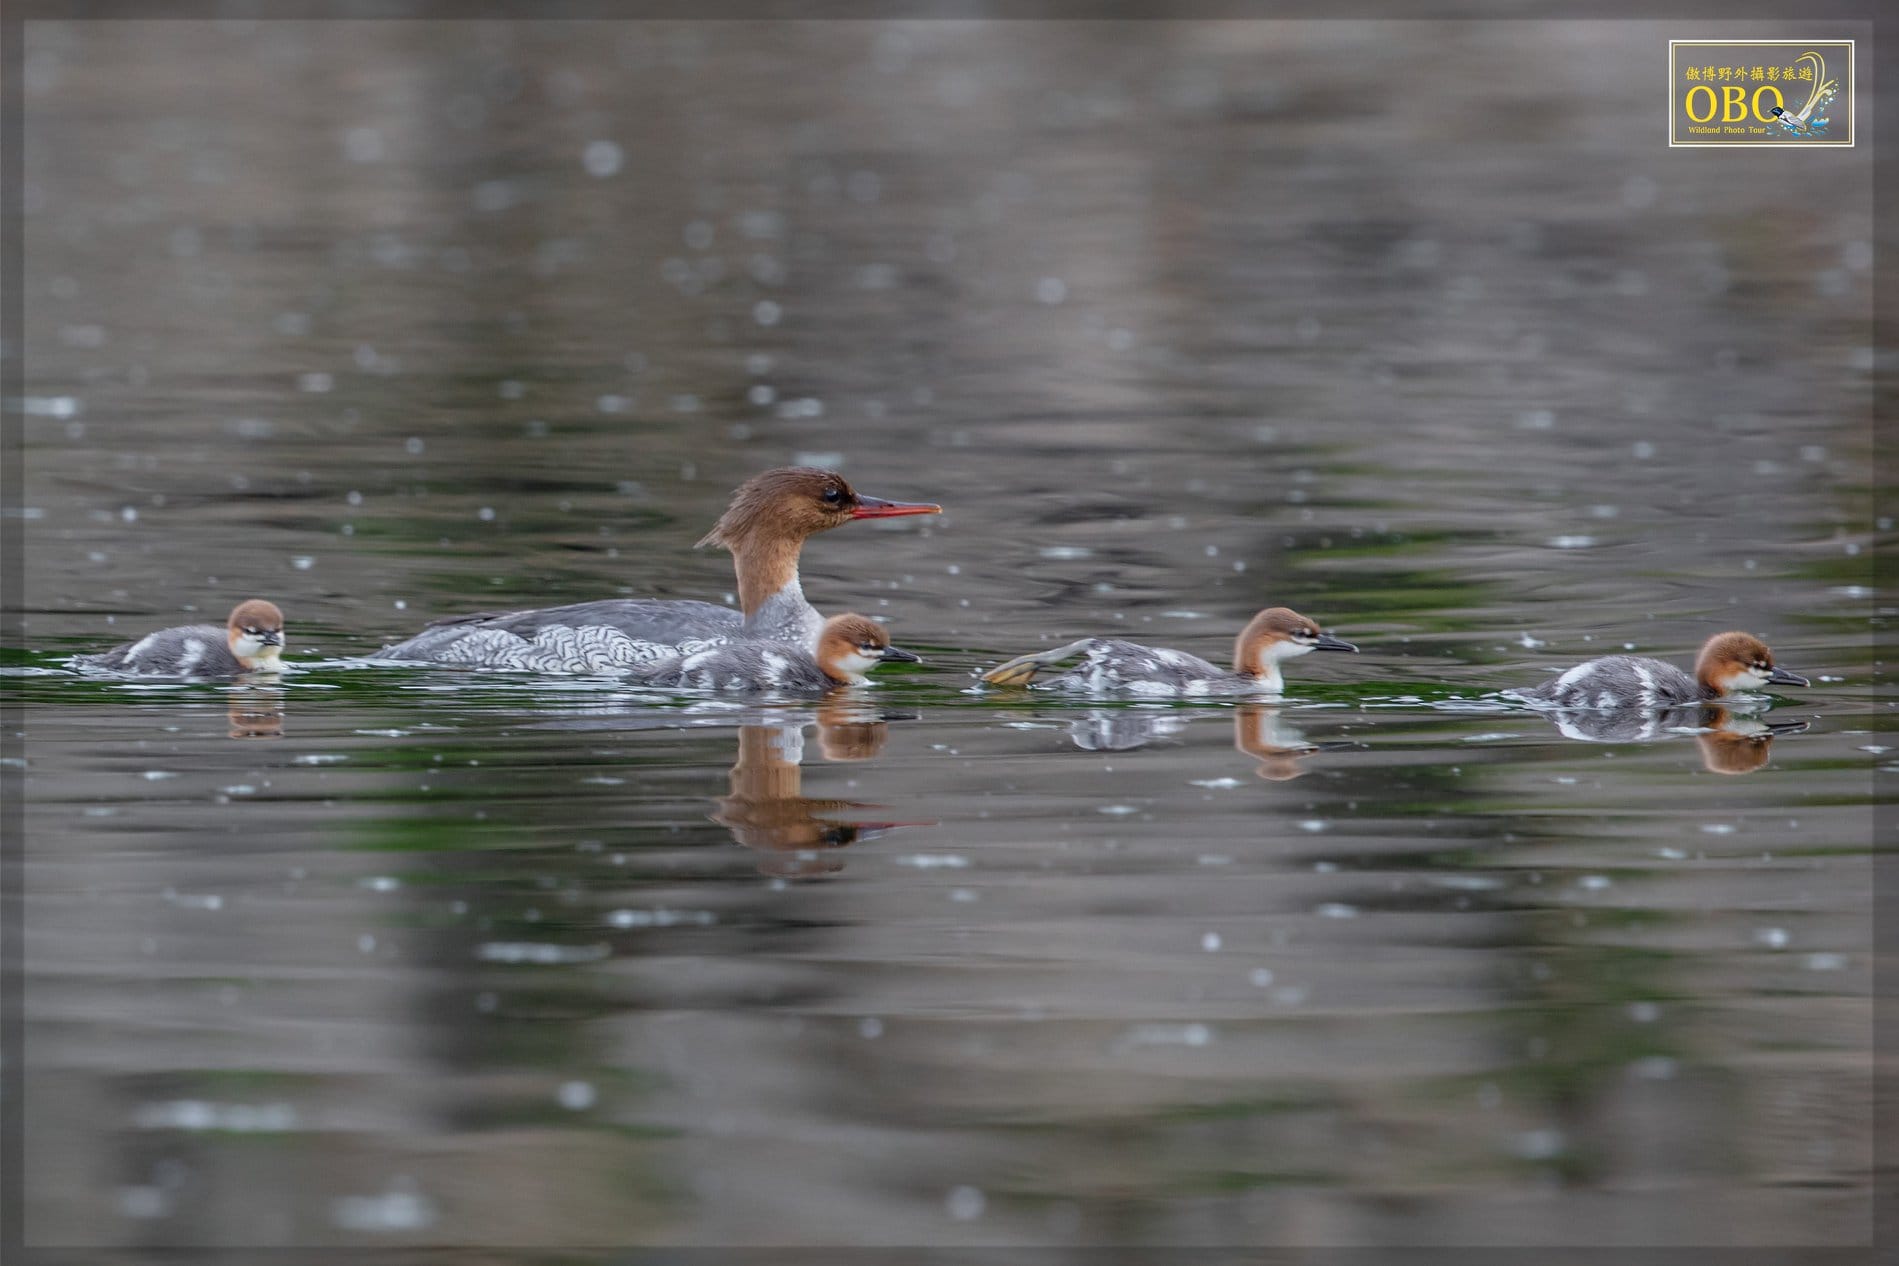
(1729,743)
(1260,730)
(256,712)
(1123,729)
(766,809)
(1739,745)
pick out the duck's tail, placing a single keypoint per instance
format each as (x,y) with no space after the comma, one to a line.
(1021,670)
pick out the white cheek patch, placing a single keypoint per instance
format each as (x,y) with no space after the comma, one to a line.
(856,664)
(1273,654)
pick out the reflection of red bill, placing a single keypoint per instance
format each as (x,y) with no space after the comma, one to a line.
(878,508)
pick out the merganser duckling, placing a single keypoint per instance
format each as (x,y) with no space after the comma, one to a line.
(1273,636)
(848,647)
(252,640)
(764,527)
(1728,662)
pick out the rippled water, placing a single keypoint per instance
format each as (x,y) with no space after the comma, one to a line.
(1395,324)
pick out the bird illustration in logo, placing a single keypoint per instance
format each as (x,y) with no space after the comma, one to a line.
(1806,123)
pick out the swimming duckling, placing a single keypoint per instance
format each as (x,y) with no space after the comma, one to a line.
(1728,662)
(1110,665)
(252,640)
(849,646)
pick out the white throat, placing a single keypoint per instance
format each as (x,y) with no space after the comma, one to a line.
(254,651)
(852,666)
(1270,678)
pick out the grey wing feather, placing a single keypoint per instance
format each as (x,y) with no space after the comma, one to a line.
(752,665)
(197,650)
(619,626)
(1112,664)
(1619,682)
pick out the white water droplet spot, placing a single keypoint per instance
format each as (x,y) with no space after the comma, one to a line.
(602,158)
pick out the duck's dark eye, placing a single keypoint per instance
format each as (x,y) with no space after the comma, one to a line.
(833,495)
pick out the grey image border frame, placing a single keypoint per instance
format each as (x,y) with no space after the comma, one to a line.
(1852,98)
(1885,340)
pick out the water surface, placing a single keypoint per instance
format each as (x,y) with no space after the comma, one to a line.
(1394,324)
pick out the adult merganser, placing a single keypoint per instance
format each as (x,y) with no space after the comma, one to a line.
(1274,635)
(250,641)
(1634,683)
(848,647)
(765,529)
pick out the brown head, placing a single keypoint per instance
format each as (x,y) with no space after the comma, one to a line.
(851,645)
(1739,661)
(1275,634)
(771,515)
(255,633)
